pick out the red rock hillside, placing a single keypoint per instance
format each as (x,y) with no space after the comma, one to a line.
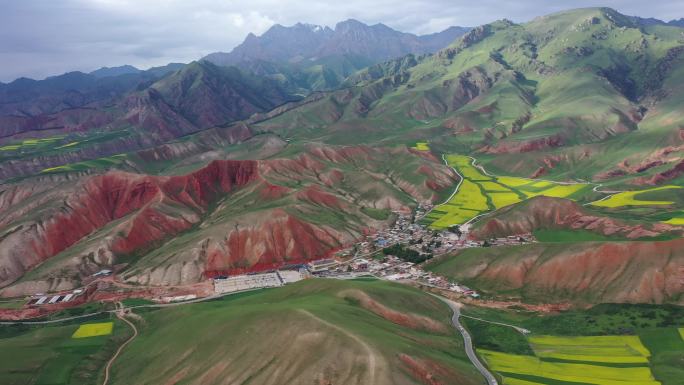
(584,272)
(234,216)
(556,213)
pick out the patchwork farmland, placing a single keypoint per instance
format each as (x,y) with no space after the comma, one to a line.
(479,193)
(600,360)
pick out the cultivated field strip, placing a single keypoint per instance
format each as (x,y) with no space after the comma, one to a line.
(479,193)
(600,360)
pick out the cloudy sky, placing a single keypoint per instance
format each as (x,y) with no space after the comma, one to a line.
(39,38)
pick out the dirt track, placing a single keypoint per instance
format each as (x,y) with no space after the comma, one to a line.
(376,363)
(122,316)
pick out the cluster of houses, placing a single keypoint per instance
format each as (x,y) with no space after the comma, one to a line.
(392,268)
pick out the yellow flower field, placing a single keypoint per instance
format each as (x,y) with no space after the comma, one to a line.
(675,221)
(494,187)
(500,200)
(608,349)
(559,190)
(467,203)
(515,381)
(479,193)
(93,330)
(571,372)
(513,181)
(422,146)
(630,198)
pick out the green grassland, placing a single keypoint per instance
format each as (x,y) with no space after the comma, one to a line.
(301,331)
(48,355)
(479,193)
(310,332)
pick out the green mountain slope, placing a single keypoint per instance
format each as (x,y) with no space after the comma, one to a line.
(315,331)
(570,95)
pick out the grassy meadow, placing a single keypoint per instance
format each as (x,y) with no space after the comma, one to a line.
(315,331)
(59,354)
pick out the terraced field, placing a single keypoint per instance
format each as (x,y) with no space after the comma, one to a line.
(600,360)
(479,193)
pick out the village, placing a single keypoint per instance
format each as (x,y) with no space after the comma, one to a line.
(393,254)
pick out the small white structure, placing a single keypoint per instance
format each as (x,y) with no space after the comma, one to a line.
(54,299)
(41,300)
(178,298)
(67,297)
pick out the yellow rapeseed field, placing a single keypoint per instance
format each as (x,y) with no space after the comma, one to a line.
(609,349)
(467,203)
(515,381)
(494,187)
(558,190)
(422,146)
(630,198)
(500,200)
(93,330)
(675,221)
(479,192)
(513,181)
(571,372)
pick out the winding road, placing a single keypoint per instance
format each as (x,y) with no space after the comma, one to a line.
(122,316)
(467,341)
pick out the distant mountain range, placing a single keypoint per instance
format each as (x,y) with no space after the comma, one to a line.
(28,97)
(305,43)
(313,57)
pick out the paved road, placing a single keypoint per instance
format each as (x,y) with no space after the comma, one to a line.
(468,342)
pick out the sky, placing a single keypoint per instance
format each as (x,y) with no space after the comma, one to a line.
(39,38)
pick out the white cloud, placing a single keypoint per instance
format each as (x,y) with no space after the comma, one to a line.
(40,38)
